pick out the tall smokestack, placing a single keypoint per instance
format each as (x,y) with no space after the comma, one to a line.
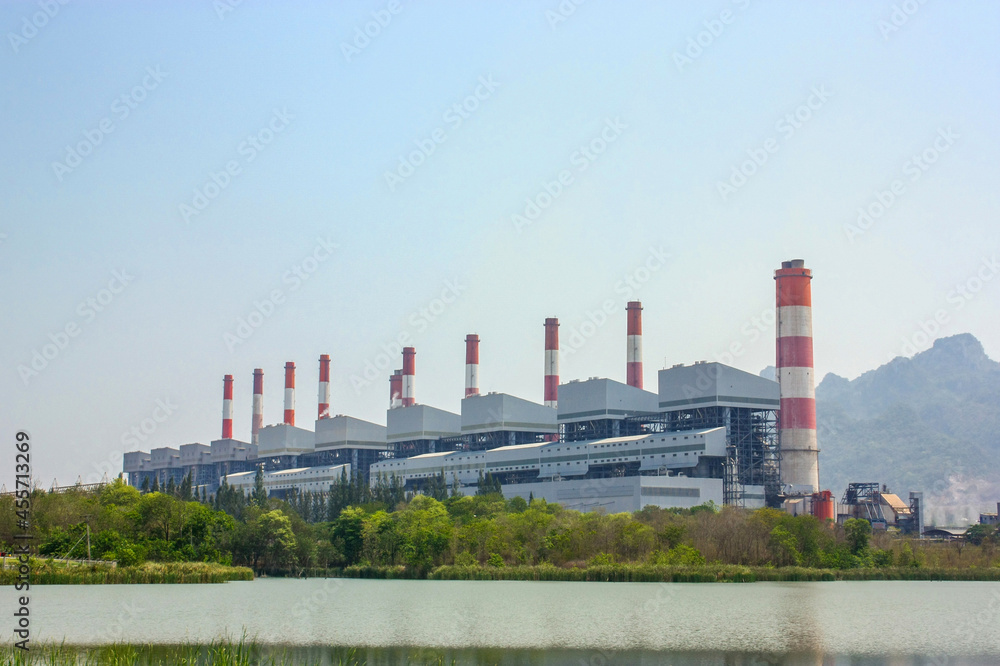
(396,389)
(471,365)
(290,393)
(551,368)
(409,370)
(324,387)
(797,416)
(633,362)
(258,405)
(227,407)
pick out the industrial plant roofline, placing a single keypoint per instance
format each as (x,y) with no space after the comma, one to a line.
(706,384)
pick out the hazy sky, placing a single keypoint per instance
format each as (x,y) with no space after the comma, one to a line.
(168,169)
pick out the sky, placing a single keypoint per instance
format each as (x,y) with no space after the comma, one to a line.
(194,189)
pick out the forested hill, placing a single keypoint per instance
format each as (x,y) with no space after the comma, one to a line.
(930,422)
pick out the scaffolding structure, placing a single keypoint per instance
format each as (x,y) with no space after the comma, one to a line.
(483,441)
(752,454)
(864,500)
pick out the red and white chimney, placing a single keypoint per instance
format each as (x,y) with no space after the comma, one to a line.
(258,405)
(471,365)
(227,407)
(324,387)
(409,370)
(290,393)
(551,362)
(396,389)
(797,416)
(633,362)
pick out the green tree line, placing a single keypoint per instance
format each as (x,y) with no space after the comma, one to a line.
(382,526)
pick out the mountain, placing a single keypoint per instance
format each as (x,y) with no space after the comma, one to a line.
(930,423)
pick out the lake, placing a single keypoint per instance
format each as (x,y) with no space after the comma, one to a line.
(897,622)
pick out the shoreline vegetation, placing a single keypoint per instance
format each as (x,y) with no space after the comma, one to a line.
(48,572)
(382,532)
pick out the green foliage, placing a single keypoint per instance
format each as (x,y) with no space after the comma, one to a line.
(386,534)
(858,531)
(978,534)
(601,559)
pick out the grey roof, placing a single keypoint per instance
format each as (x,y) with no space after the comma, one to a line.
(715,384)
(232,449)
(348,432)
(284,439)
(500,411)
(421,422)
(603,399)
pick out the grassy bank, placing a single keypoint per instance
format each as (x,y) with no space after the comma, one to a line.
(47,572)
(644,573)
(707,573)
(240,653)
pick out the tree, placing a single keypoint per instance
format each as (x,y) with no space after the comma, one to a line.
(427,530)
(184,492)
(978,534)
(858,531)
(156,485)
(348,533)
(259,495)
(145,484)
(271,540)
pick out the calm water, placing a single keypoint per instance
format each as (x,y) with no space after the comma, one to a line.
(579,623)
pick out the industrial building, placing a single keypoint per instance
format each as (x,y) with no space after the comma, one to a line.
(710,432)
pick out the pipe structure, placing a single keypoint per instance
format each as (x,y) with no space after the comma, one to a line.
(289,393)
(324,387)
(551,395)
(258,405)
(227,407)
(633,360)
(471,365)
(409,370)
(796,378)
(396,389)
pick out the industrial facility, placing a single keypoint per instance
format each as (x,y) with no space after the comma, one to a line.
(710,432)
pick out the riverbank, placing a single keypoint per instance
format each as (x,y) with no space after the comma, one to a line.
(643,573)
(47,572)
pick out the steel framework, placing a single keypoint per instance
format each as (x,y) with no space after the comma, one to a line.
(752,454)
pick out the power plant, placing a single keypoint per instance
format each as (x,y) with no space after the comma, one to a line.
(710,432)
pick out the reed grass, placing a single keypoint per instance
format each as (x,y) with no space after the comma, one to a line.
(222,652)
(48,572)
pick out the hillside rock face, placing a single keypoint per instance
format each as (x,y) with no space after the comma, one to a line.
(930,423)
